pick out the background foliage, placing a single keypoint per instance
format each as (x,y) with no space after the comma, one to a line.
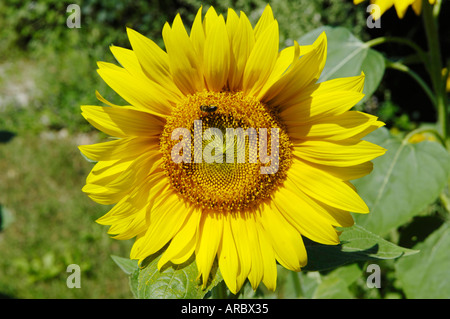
(48,70)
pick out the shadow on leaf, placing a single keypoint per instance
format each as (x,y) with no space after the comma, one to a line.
(325,257)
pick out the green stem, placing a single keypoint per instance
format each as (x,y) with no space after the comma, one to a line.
(296,282)
(430,19)
(377,41)
(435,63)
(445,200)
(401,67)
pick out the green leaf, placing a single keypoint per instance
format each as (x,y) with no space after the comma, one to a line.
(426,275)
(335,284)
(357,244)
(172,282)
(127,265)
(314,285)
(404,181)
(348,56)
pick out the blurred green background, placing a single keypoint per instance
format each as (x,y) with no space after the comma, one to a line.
(47,71)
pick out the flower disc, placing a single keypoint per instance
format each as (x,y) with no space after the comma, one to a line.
(228,183)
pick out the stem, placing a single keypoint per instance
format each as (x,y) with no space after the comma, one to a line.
(435,62)
(401,67)
(296,282)
(430,19)
(411,44)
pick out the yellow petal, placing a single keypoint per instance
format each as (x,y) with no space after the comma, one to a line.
(197,36)
(346,173)
(143,94)
(286,58)
(228,257)
(417,6)
(183,243)
(351,83)
(128,206)
(240,235)
(257,270)
(103,195)
(105,171)
(102,99)
(130,227)
(264,22)
(331,215)
(232,23)
(211,18)
(127,59)
(216,56)
(143,166)
(326,188)
(154,61)
(336,128)
(108,184)
(242,41)
(384,6)
(137,198)
(306,220)
(301,73)
(114,183)
(185,65)
(268,259)
(341,154)
(289,248)
(165,220)
(354,84)
(261,60)
(208,241)
(124,148)
(136,248)
(315,107)
(402,6)
(122,121)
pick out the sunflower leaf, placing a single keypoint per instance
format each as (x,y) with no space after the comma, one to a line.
(425,275)
(348,56)
(127,265)
(171,282)
(357,244)
(404,181)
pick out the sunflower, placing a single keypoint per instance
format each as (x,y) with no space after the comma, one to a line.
(400,6)
(249,209)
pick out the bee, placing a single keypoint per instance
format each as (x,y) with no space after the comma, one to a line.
(208,108)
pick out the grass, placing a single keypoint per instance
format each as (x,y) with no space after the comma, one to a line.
(54,223)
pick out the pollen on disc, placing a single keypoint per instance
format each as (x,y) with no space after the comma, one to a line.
(215,179)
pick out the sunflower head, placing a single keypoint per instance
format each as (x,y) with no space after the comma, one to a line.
(229,149)
(401,6)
